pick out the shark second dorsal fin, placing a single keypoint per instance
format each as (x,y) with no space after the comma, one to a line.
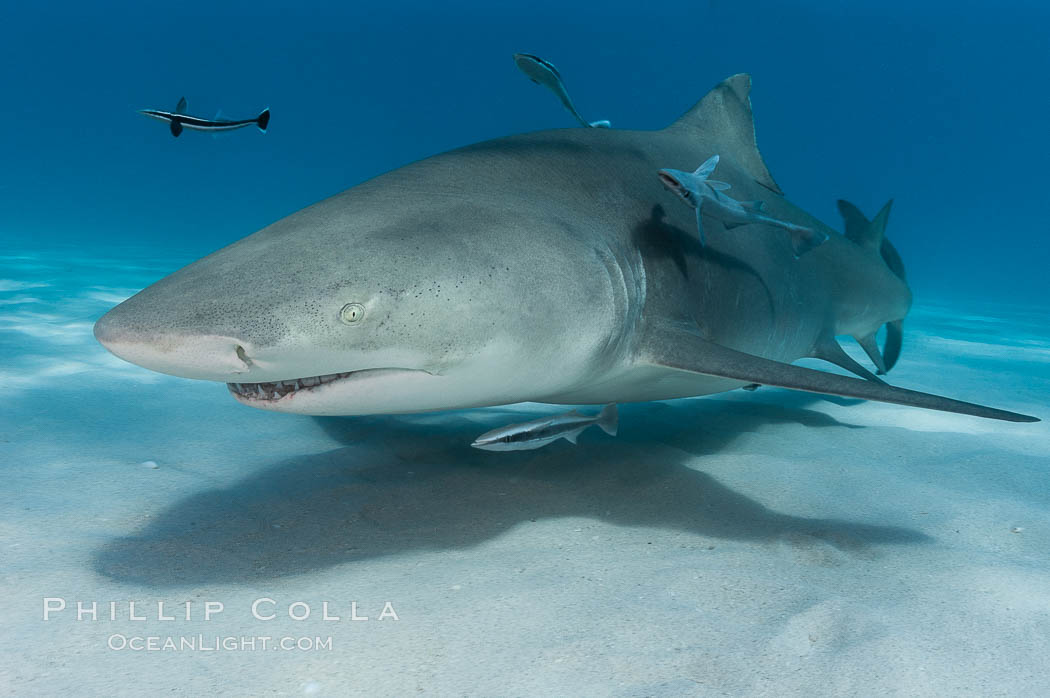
(862,231)
(724,115)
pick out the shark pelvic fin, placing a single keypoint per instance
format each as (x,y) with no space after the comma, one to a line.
(871,348)
(680,347)
(831,351)
(724,115)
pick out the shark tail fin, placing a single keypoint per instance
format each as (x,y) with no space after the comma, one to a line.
(724,115)
(872,235)
(263,120)
(608,419)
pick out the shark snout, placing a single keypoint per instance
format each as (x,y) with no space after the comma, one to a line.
(200,356)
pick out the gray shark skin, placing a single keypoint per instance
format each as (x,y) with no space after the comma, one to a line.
(551,267)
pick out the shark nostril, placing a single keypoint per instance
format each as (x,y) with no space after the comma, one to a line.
(242,356)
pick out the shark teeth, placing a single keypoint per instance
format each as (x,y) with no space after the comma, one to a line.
(280,389)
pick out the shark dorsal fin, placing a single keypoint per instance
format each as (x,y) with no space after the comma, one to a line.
(878,223)
(856,222)
(724,115)
(181,106)
(862,231)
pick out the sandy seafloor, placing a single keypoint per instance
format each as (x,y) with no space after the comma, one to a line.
(767,543)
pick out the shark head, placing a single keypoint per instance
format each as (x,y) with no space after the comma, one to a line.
(383,299)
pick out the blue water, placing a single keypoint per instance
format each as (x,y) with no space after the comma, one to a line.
(767,543)
(941,106)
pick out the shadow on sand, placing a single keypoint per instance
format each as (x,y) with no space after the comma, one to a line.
(405,484)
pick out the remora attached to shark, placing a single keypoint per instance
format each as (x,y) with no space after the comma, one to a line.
(544,73)
(551,267)
(696,189)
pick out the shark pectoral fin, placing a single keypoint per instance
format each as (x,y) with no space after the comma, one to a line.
(718,186)
(871,348)
(831,351)
(176,127)
(181,106)
(682,349)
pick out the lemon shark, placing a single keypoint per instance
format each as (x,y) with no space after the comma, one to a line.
(552,267)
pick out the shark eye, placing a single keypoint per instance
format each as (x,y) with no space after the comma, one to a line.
(352,313)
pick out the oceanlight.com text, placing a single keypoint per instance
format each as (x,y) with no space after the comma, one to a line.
(217,643)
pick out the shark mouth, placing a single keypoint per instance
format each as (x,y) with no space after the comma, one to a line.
(281,389)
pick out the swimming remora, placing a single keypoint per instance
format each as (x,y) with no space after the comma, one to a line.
(550,267)
(537,433)
(178,119)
